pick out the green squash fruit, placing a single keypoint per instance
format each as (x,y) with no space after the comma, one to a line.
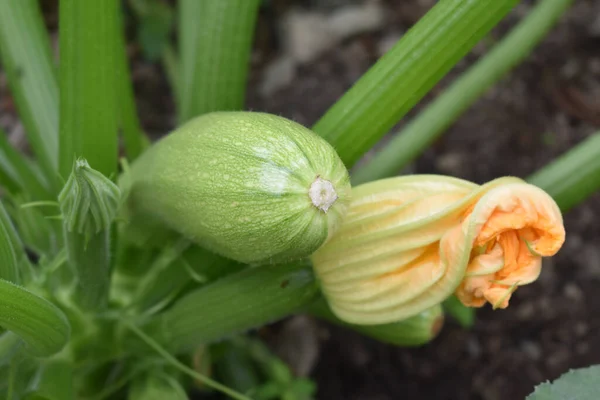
(250,186)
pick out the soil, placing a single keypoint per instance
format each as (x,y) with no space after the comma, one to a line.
(544,107)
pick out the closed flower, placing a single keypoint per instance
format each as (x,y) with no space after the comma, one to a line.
(408,243)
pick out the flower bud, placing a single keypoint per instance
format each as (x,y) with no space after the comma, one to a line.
(408,243)
(89,201)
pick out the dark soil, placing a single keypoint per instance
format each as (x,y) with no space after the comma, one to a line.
(544,107)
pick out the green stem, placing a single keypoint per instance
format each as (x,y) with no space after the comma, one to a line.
(90,259)
(444,110)
(406,73)
(236,303)
(215,43)
(183,368)
(574,176)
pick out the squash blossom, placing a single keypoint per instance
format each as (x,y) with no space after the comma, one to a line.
(408,243)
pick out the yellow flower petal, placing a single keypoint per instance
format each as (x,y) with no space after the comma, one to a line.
(407,243)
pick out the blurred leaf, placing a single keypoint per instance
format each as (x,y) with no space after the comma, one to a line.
(578,384)
(461,313)
(154,27)
(23,262)
(382,96)
(135,140)
(26,57)
(235,368)
(9,268)
(20,172)
(280,381)
(42,326)
(170,359)
(52,381)
(36,231)
(9,344)
(156,386)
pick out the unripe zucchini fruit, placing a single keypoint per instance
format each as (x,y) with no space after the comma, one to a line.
(250,186)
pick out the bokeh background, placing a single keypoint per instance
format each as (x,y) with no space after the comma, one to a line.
(306,54)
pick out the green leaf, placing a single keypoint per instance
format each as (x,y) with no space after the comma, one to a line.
(18,372)
(463,314)
(381,97)
(235,368)
(9,268)
(135,140)
(27,60)
(156,22)
(170,64)
(7,223)
(36,231)
(574,176)
(195,267)
(20,172)
(236,303)
(156,386)
(215,43)
(88,84)
(446,108)
(42,326)
(578,384)
(9,345)
(52,381)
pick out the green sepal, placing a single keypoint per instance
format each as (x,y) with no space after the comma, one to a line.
(411,332)
(464,315)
